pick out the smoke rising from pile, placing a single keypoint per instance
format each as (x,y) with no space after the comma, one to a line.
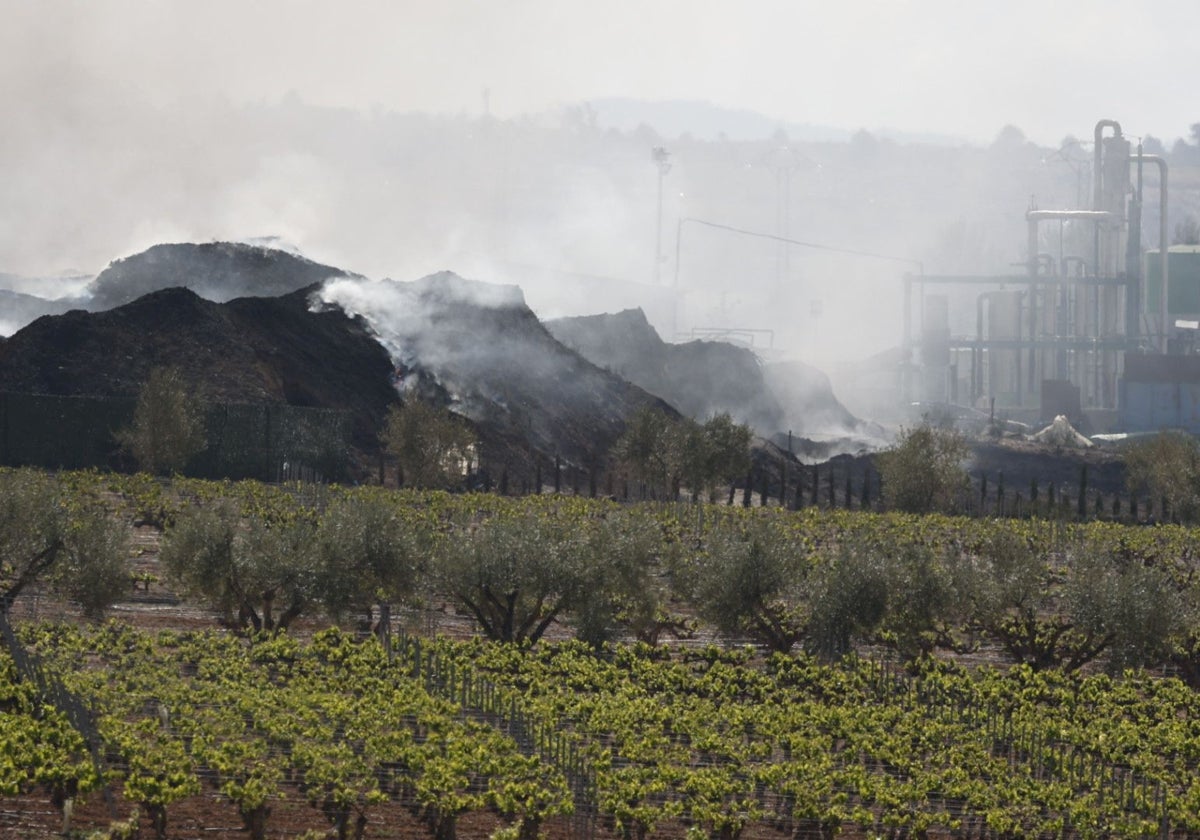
(559,206)
(105,155)
(403,315)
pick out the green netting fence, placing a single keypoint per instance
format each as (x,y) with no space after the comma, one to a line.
(267,441)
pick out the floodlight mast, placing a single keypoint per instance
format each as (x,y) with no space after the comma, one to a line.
(662,159)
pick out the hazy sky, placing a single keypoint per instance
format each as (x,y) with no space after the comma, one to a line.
(955,67)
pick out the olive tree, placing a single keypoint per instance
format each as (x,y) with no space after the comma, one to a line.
(660,451)
(752,582)
(848,596)
(433,447)
(69,542)
(625,571)
(1133,605)
(168,423)
(930,595)
(648,448)
(713,453)
(1167,466)
(93,570)
(923,471)
(516,575)
(32,529)
(368,554)
(259,574)
(1066,611)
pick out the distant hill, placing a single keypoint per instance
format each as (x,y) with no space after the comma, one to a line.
(703,120)
(674,118)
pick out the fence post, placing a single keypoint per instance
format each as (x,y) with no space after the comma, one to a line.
(1081,508)
(270,456)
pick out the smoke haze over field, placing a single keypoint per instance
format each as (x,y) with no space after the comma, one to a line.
(403,139)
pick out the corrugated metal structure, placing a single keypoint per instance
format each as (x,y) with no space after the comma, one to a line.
(1160,392)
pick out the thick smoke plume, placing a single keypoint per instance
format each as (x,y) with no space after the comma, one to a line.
(406,316)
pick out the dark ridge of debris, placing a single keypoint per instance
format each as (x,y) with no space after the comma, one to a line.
(503,369)
(248,350)
(528,397)
(700,378)
(216,271)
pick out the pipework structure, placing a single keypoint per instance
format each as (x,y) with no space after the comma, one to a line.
(1064,325)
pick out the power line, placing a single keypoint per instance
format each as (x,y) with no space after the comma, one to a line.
(774,238)
(814,245)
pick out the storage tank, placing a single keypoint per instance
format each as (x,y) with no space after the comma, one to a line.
(1183,269)
(1004,365)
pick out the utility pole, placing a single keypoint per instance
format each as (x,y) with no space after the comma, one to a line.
(783,161)
(662,159)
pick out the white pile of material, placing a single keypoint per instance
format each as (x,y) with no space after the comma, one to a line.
(1062,433)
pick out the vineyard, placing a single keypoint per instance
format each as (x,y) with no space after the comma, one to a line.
(636,741)
(824,677)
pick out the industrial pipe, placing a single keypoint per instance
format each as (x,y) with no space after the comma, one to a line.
(1097,178)
(1068,215)
(1162,235)
(1034,217)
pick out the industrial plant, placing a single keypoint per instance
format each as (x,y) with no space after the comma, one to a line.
(1098,323)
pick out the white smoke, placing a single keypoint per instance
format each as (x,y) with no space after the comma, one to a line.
(403,315)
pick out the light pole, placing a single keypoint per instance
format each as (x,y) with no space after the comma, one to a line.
(783,160)
(662,159)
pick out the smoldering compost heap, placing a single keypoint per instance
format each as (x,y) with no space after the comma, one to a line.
(253,324)
(703,378)
(524,392)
